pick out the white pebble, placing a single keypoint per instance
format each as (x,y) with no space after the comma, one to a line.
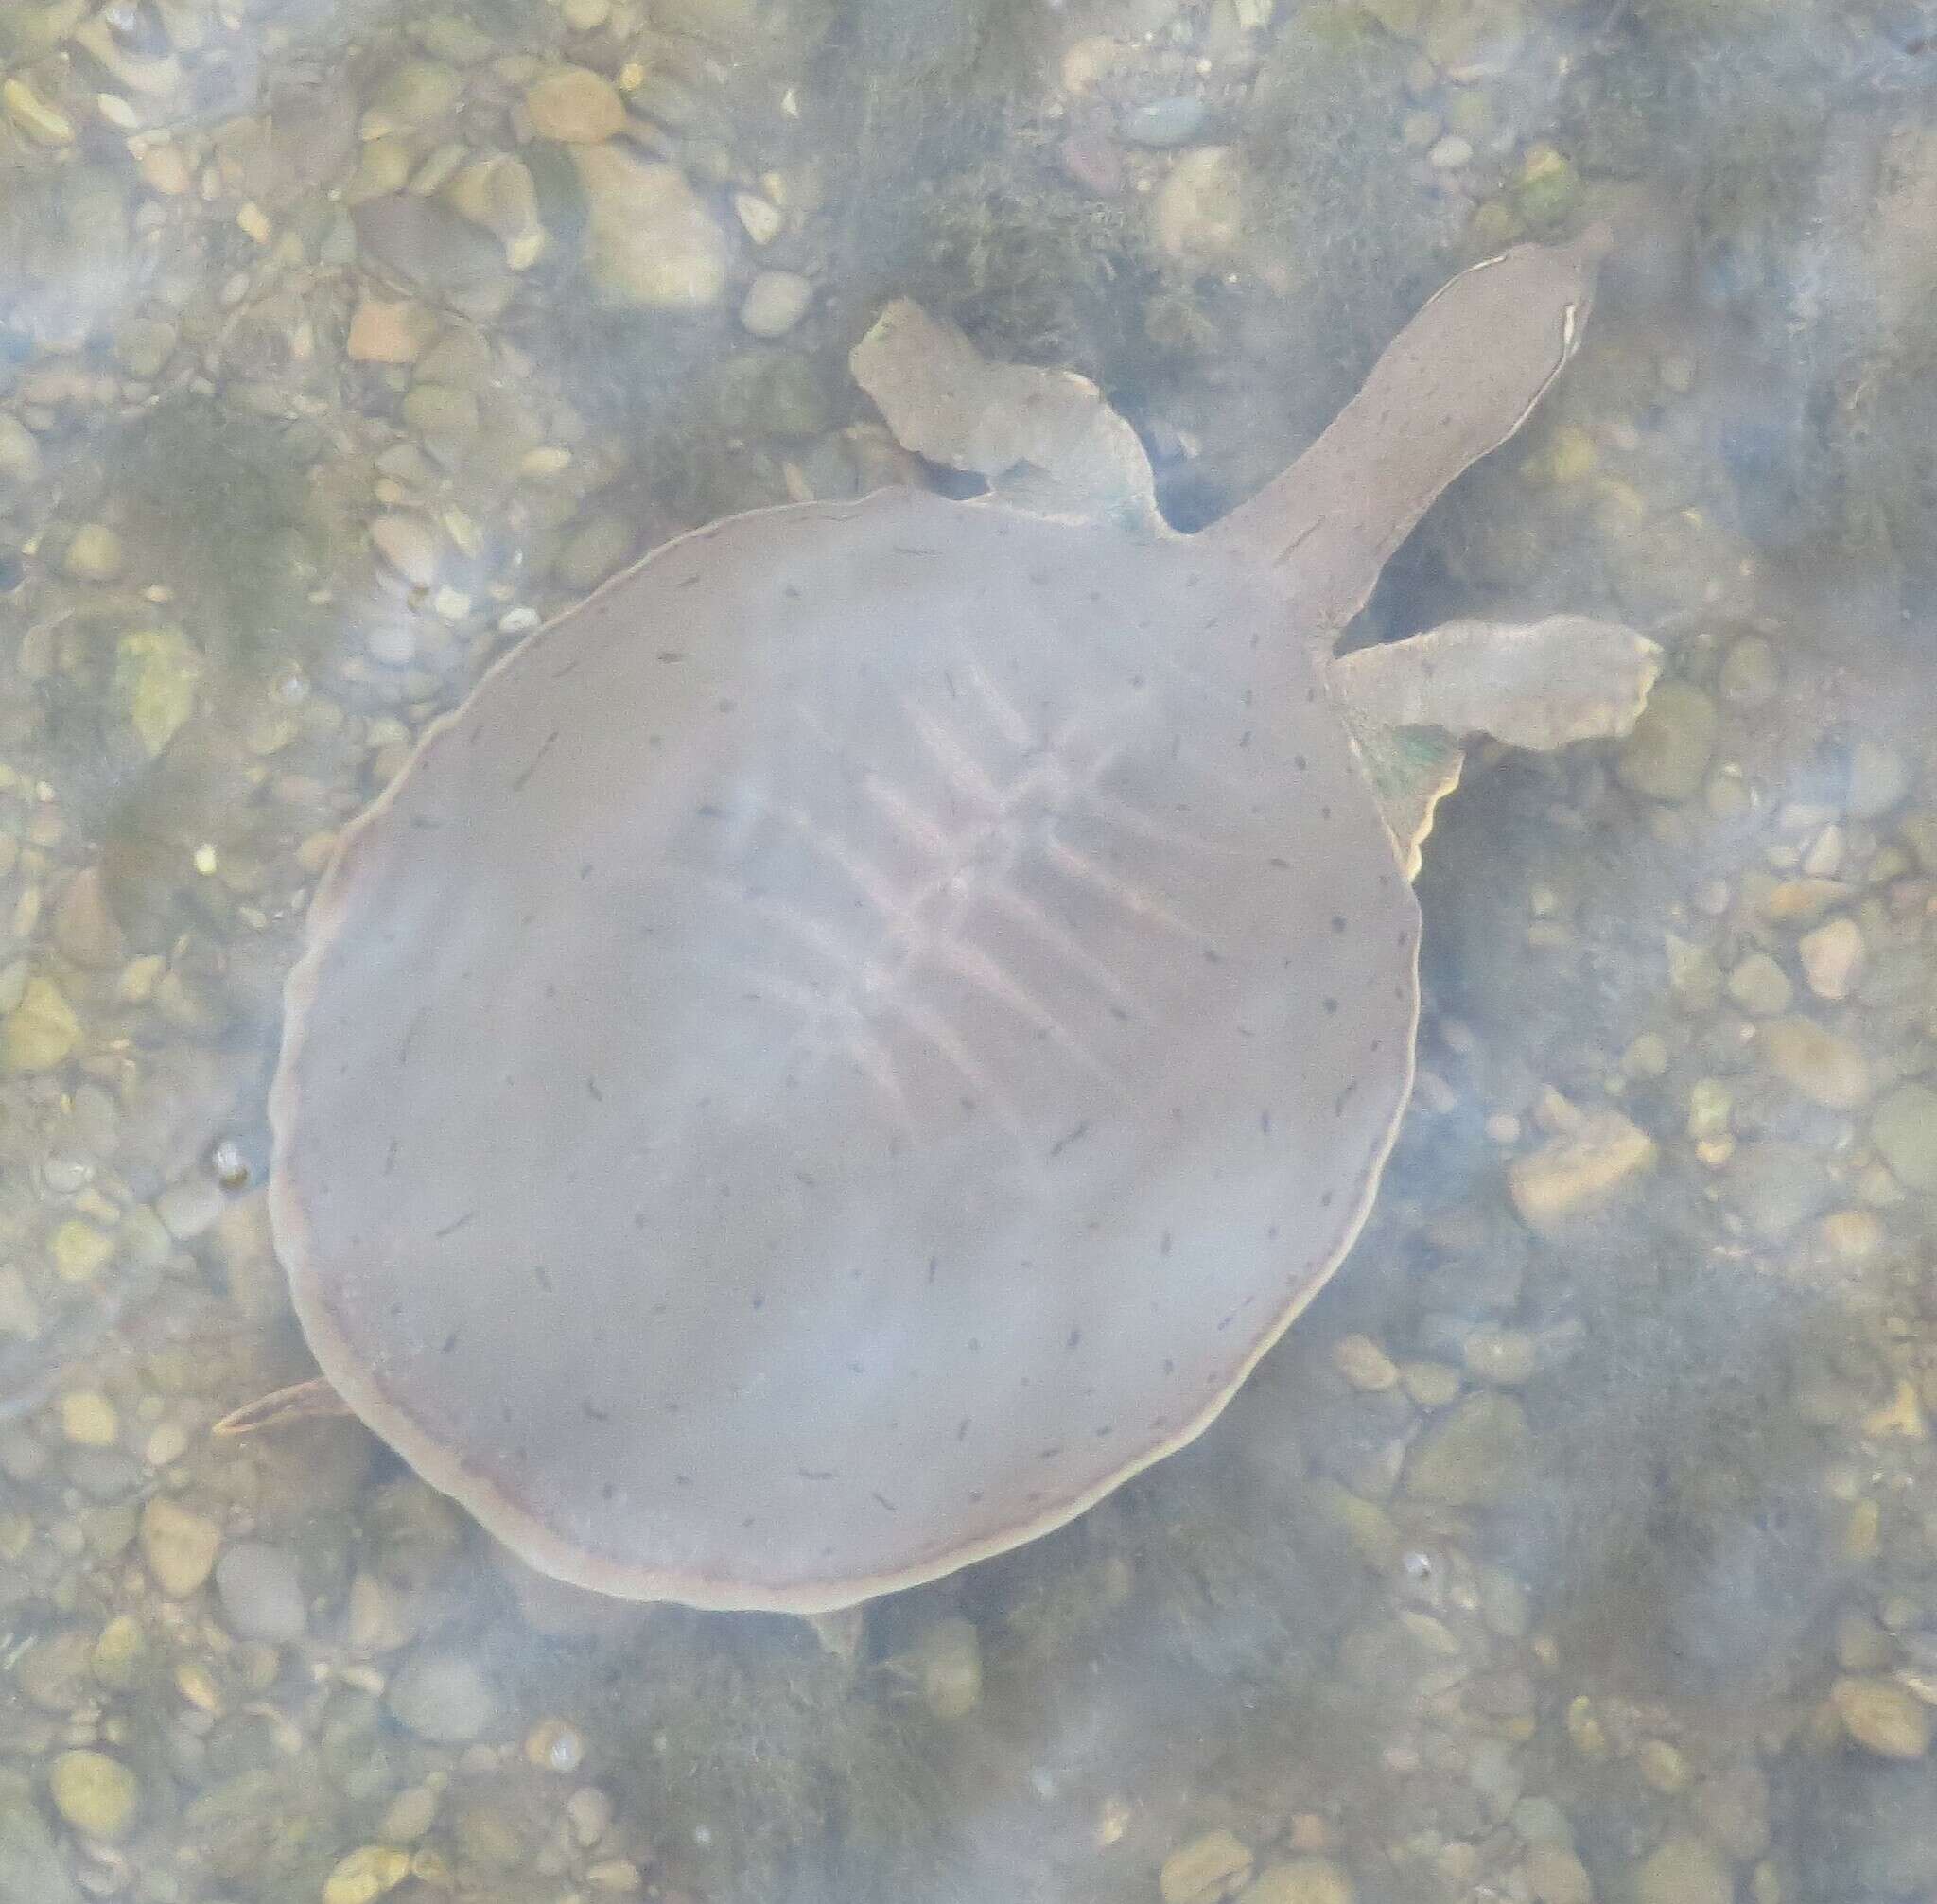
(393,644)
(776,302)
(1832,957)
(188,1207)
(759,220)
(261,1593)
(407,544)
(589,1812)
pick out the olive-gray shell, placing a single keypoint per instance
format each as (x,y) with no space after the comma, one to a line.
(846,1046)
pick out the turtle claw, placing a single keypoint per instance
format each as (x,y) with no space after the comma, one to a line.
(310,1401)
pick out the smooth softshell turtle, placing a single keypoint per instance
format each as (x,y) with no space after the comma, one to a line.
(853,1040)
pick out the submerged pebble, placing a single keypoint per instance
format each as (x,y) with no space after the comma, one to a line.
(1206,1870)
(1197,214)
(1164,122)
(94,553)
(1578,1170)
(261,1593)
(1776,1185)
(575,106)
(1904,1128)
(946,1666)
(42,1031)
(1667,754)
(1826,1069)
(1473,1457)
(95,1793)
(444,1698)
(179,1544)
(1760,986)
(1882,1717)
(1879,778)
(652,242)
(775,303)
(1300,1880)
(1684,1870)
(367,1874)
(1832,957)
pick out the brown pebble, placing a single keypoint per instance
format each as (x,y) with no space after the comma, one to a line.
(1092,161)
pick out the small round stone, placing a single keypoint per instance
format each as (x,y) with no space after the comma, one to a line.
(189,1206)
(1164,122)
(1505,1357)
(1474,1456)
(1760,986)
(119,1653)
(410,1814)
(411,93)
(20,457)
(79,1250)
(759,219)
(1832,957)
(775,303)
(1749,673)
(575,106)
(97,1795)
(1662,1766)
(1208,1868)
(392,331)
(1684,1870)
(179,1544)
(1775,1185)
(407,543)
(1904,1128)
(1666,754)
(555,1745)
(444,1698)
(261,1593)
(1879,778)
(652,242)
(947,1662)
(94,554)
(589,1812)
(88,1418)
(1556,1876)
(1197,214)
(1882,1717)
(1364,1364)
(40,1032)
(1826,1069)
(1300,1880)
(366,1875)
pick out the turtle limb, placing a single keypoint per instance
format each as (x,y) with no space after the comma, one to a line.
(1540,684)
(1457,382)
(308,1401)
(1043,440)
(1410,771)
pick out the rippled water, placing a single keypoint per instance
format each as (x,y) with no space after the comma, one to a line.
(1580,1542)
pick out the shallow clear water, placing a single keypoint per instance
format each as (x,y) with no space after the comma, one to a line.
(1580,1540)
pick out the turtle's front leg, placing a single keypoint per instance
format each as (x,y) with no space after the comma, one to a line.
(1534,684)
(1538,684)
